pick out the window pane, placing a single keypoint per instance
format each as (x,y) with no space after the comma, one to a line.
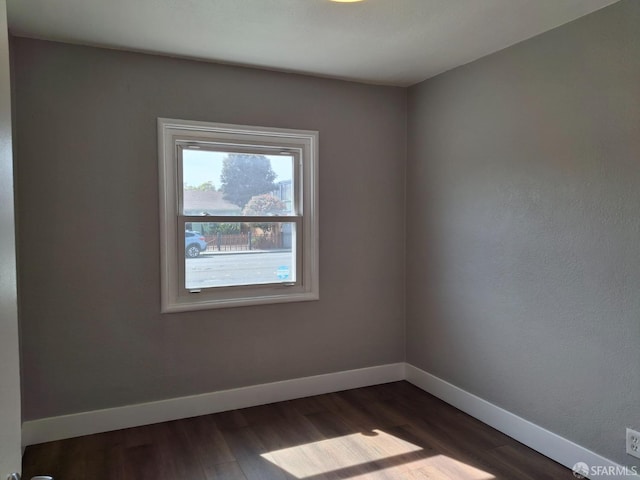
(229,183)
(236,253)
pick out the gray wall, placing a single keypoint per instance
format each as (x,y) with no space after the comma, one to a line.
(523,228)
(92,334)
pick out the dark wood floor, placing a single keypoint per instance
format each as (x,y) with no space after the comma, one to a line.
(391,431)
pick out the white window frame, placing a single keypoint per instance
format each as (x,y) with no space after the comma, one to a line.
(303,145)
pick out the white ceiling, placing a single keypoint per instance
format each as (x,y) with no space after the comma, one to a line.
(393,42)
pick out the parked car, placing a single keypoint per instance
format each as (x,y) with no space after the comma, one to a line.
(194,243)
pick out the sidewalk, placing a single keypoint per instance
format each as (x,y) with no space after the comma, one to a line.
(243,252)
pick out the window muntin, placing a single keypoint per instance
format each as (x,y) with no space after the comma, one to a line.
(273,238)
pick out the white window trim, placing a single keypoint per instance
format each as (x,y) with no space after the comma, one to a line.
(173,296)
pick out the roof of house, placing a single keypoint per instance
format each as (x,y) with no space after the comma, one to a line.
(211,202)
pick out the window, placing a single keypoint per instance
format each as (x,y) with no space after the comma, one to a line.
(238,215)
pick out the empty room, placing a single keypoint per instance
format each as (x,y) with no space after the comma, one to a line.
(320,239)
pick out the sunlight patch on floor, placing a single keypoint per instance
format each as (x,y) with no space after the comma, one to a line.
(359,456)
(441,467)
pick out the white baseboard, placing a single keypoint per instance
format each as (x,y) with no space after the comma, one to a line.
(548,443)
(97,421)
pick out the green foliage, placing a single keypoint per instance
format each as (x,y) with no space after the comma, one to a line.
(265,204)
(203,187)
(222,228)
(244,176)
(227,228)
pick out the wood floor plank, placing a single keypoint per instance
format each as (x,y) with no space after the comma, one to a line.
(230,420)
(518,458)
(262,414)
(179,456)
(141,462)
(385,432)
(308,405)
(331,425)
(444,447)
(385,413)
(106,463)
(73,458)
(206,440)
(292,443)
(289,432)
(225,471)
(251,455)
(41,459)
